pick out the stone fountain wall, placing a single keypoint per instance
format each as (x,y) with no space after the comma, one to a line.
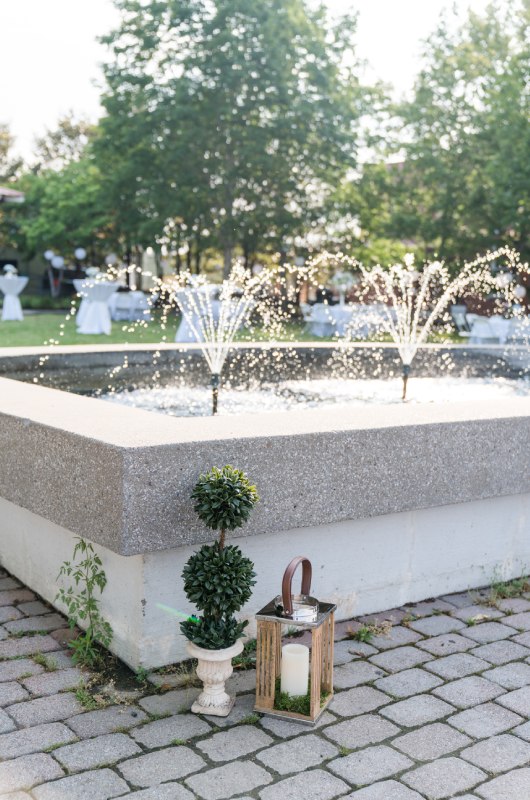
(391,504)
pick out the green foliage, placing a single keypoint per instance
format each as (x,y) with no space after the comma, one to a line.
(82,605)
(246,659)
(221,118)
(224,498)
(296,705)
(364,634)
(218,581)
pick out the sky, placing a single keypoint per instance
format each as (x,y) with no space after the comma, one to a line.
(50,55)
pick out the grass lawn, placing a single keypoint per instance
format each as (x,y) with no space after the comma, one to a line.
(38,329)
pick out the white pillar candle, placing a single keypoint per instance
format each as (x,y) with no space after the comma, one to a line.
(295,669)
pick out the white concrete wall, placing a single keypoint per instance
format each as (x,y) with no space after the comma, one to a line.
(362,565)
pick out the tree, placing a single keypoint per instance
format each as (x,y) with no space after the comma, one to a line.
(65,209)
(242,115)
(10,168)
(454,176)
(64,144)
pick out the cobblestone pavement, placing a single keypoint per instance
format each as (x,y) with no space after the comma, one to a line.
(435,706)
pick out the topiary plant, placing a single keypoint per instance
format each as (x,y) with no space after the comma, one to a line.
(218,579)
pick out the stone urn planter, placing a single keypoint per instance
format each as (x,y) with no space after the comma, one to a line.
(214,668)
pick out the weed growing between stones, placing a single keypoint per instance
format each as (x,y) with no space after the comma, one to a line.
(82,605)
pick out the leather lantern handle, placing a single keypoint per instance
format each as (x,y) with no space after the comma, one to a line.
(287,582)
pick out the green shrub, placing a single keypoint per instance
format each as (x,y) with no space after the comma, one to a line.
(218,580)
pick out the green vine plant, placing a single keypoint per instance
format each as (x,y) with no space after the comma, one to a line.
(82,604)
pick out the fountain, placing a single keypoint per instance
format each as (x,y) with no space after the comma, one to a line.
(215,314)
(410,303)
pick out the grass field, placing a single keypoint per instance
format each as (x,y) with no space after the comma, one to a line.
(41,328)
(47,328)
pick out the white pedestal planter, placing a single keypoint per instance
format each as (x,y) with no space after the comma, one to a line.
(214,669)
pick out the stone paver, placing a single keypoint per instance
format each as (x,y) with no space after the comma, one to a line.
(485,720)
(27,771)
(36,608)
(401,658)
(520,622)
(314,785)
(94,785)
(459,665)
(287,728)
(12,692)
(477,613)
(15,596)
(9,613)
(49,622)
(396,637)
(28,646)
(447,644)
(444,778)
(98,752)
(287,757)
(431,741)
(17,669)
(44,709)
(510,676)
(171,702)
(167,791)
(237,742)
(514,786)
(498,754)
(106,720)
(6,723)
(53,682)
(385,790)
(370,765)
(347,651)
(515,605)
(408,682)
(501,652)
(435,626)
(468,692)
(358,701)
(518,701)
(226,782)
(162,765)
(355,674)
(360,731)
(165,731)
(417,711)
(34,740)
(437,709)
(489,632)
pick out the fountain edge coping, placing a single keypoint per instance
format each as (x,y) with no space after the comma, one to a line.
(122,476)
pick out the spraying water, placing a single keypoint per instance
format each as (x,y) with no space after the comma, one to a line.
(407,305)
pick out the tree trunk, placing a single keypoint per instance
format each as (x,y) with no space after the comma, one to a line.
(227,259)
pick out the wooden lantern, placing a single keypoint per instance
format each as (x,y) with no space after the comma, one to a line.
(301,611)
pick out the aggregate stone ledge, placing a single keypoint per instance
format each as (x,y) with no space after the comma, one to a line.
(122,476)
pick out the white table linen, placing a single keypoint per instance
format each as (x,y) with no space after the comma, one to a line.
(130,306)
(11,286)
(94,316)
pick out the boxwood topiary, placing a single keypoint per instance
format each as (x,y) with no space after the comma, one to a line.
(218,579)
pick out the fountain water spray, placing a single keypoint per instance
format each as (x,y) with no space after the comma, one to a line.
(408,303)
(216,313)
